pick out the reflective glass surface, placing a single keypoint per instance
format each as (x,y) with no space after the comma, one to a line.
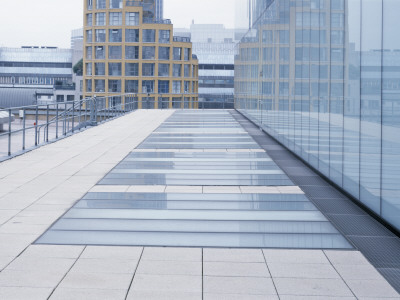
(323,78)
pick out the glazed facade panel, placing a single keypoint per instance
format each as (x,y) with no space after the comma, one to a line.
(323,77)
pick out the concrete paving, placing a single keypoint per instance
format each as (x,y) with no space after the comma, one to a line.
(37,188)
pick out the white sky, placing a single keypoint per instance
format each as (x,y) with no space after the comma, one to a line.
(49,22)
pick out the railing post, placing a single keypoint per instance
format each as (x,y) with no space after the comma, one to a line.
(93,114)
(57,120)
(9,132)
(65,120)
(80,114)
(73,116)
(47,122)
(23,131)
(36,125)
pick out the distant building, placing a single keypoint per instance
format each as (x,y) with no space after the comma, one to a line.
(214,46)
(129,48)
(36,67)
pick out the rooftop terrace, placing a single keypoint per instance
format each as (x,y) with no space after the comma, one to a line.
(183,205)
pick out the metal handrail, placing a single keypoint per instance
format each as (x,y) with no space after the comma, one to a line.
(64,113)
(62,119)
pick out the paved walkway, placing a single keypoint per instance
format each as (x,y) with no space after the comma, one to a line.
(36,189)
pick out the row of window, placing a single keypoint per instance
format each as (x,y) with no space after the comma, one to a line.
(131,36)
(148,86)
(132,69)
(101,4)
(301,71)
(42,80)
(314,90)
(114,19)
(301,54)
(306,36)
(132,52)
(15,64)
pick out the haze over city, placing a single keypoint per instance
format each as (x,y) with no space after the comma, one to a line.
(49,22)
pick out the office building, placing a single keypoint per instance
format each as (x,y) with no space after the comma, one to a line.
(323,78)
(128,50)
(33,74)
(215,47)
(36,67)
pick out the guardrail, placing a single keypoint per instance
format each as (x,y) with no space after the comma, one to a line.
(36,125)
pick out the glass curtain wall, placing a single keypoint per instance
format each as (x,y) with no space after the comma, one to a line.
(323,78)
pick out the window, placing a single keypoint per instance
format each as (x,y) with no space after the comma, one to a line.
(89,4)
(60,98)
(131,52)
(115,35)
(89,52)
(164,36)
(186,54)
(114,69)
(132,18)
(114,52)
(284,37)
(177,53)
(337,54)
(268,36)
(163,87)
(177,70)
(163,70)
(284,54)
(337,37)
(163,53)
(337,4)
(100,35)
(88,85)
(148,86)
(115,3)
(100,19)
(115,18)
(100,52)
(186,87)
(131,69)
(114,86)
(101,4)
(176,102)
(284,88)
(148,69)
(131,86)
(89,36)
(284,71)
(149,52)
(186,70)
(337,20)
(100,85)
(70,97)
(89,69)
(176,87)
(149,35)
(89,20)
(100,69)
(132,35)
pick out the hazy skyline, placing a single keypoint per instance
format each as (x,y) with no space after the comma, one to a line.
(50,22)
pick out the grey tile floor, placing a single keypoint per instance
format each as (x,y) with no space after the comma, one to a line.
(39,187)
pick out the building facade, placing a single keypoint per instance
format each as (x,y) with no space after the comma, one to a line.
(128,50)
(323,78)
(35,67)
(215,48)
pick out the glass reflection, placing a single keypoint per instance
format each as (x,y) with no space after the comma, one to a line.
(336,103)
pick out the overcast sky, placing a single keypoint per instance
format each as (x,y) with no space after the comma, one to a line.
(49,22)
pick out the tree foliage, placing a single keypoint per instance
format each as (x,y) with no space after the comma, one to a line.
(78,68)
